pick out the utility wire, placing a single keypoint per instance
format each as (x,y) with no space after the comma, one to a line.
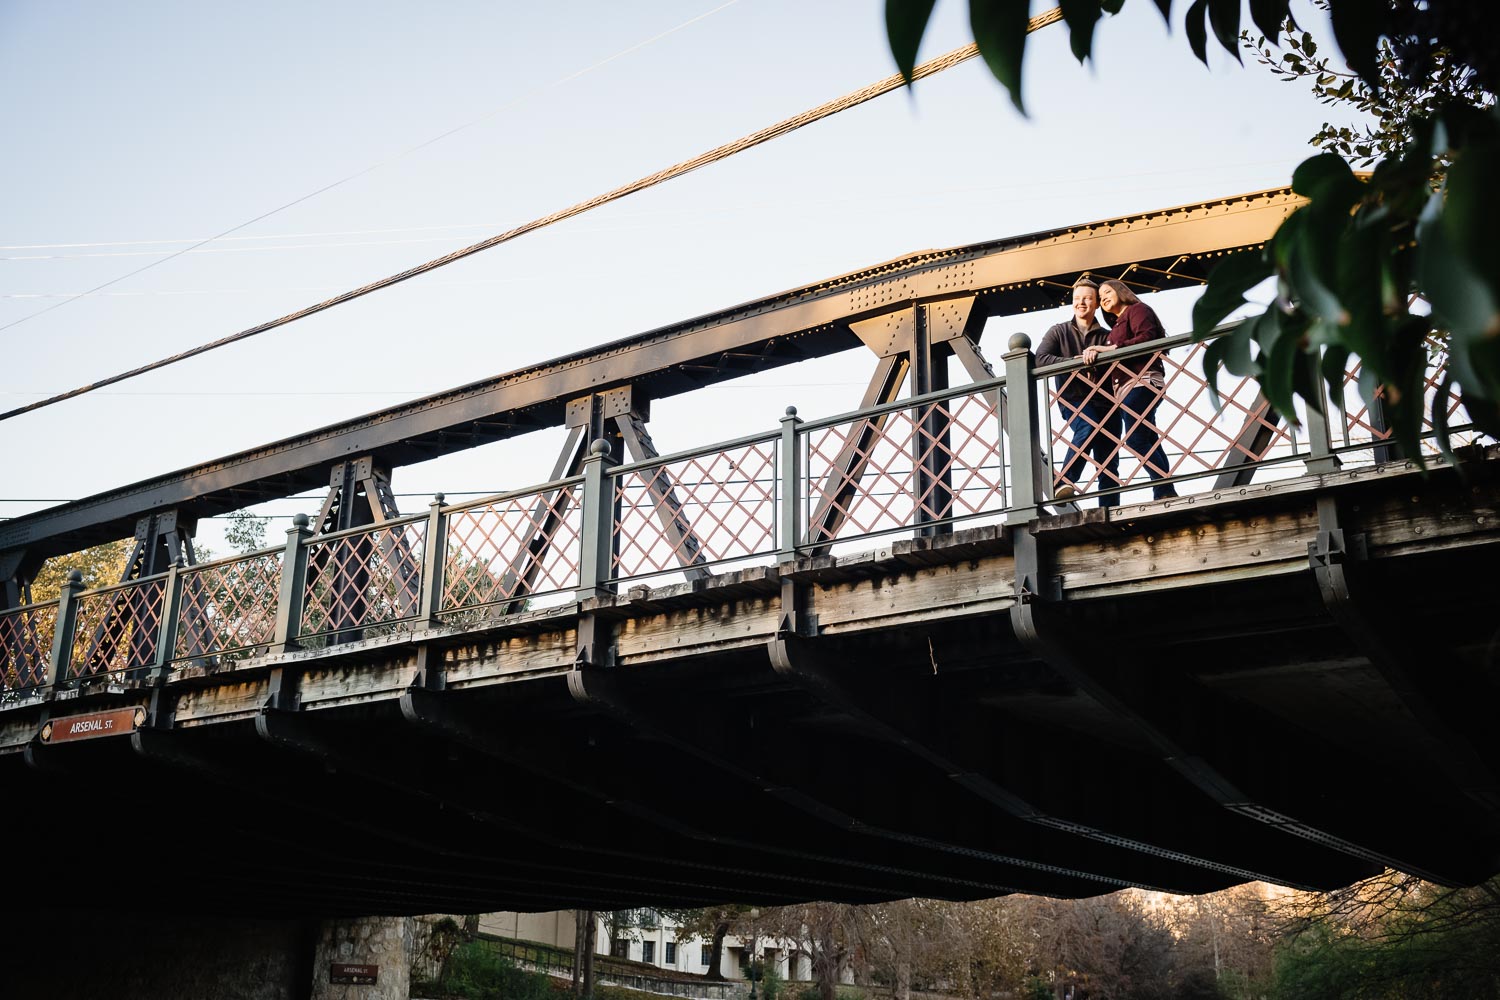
(351,177)
(833,107)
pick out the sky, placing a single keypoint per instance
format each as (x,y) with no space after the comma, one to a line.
(134,131)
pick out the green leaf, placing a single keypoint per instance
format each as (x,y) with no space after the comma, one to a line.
(1297,258)
(1231,352)
(1000,32)
(1473,206)
(1081,16)
(1323,176)
(1165,6)
(1224,15)
(1227,285)
(1115,6)
(1460,301)
(1440,419)
(1335,363)
(905,24)
(1268,16)
(1279,361)
(1197,29)
(1357,27)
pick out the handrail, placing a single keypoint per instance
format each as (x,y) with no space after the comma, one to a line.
(546,547)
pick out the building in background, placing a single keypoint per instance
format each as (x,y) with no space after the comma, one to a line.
(652,939)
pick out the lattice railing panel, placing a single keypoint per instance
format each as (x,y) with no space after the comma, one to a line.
(228,606)
(26,646)
(712,507)
(504,550)
(1193,437)
(1359,427)
(118,628)
(364,578)
(863,474)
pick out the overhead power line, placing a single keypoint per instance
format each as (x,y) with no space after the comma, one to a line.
(372,167)
(858,97)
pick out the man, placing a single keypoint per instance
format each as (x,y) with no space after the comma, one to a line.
(1084,398)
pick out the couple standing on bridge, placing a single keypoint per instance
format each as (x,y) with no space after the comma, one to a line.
(1115,406)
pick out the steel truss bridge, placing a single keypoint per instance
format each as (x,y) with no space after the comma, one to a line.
(856,657)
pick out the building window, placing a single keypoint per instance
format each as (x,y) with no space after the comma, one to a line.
(648,951)
(707,956)
(620,948)
(670,950)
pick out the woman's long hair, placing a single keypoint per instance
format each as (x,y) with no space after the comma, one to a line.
(1127,297)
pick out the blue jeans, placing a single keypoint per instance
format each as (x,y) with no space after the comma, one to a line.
(1095,424)
(1138,411)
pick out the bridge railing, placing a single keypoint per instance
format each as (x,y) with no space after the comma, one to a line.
(504,553)
(985,451)
(686,512)
(116,630)
(227,607)
(1176,438)
(26,635)
(362,581)
(924,463)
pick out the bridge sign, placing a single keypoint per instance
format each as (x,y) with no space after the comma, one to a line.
(353,975)
(113,722)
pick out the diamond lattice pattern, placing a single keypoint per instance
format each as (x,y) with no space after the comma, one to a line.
(510,548)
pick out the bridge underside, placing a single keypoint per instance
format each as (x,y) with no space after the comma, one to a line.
(1188,696)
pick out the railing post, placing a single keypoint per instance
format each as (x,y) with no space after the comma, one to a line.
(1319,433)
(434,557)
(598,511)
(1025,437)
(62,636)
(293,586)
(788,517)
(171,618)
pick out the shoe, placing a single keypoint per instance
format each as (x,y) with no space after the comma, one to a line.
(1066,491)
(1164,493)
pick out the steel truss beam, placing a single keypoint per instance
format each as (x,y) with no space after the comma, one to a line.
(1239,757)
(1136,823)
(536,824)
(1447,703)
(1013,857)
(1165,249)
(585,772)
(318,853)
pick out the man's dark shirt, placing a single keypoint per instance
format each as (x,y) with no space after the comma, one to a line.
(1063,342)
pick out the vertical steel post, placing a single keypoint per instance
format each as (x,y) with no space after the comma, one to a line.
(62,637)
(788,516)
(293,586)
(434,557)
(171,617)
(598,511)
(1025,437)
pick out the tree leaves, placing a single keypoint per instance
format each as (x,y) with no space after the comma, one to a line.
(905,24)
(1357,28)
(1081,16)
(1224,15)
(1197,29)
(1348,262)
(1000,32)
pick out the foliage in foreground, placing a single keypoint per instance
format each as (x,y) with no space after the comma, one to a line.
(1393,937)
(475,970)
(1370,269)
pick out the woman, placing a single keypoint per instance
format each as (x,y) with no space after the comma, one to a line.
(1138,382)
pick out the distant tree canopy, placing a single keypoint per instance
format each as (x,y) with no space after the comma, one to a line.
(1367,268)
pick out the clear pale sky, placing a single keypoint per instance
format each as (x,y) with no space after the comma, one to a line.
(133,130)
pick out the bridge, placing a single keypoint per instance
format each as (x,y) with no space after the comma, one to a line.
(857,656)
